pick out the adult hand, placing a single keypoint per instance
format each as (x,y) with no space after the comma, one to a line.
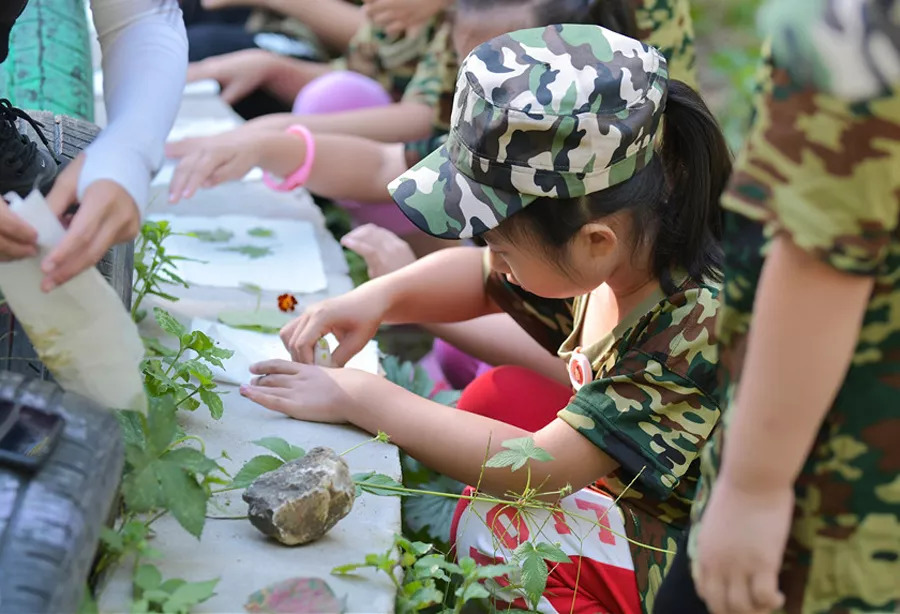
(209,161)
(383,251)
(396,17)
(107,215)
(305,392)
(238,74)
(352,318)
(17,239)
(736,571)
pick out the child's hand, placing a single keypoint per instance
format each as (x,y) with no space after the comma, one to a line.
(353,318)
(209,161)
(383,251)
(396,17)
(239,73)
(740,547)
(304,392)
(17,239)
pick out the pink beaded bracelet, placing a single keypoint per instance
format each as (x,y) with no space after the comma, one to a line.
(299,176)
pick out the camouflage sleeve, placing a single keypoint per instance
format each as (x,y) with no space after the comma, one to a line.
(849,48)
(667,25)
(416,151)
(547,321)
(392,61)
(823,170)
(434,80)
(652,421)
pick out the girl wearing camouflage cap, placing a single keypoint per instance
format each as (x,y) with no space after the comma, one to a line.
(558,160)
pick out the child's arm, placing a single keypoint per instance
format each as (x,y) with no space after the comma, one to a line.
(806,322)
(446,286)
(403,121)
(453,442)
(345,167)
(479,337)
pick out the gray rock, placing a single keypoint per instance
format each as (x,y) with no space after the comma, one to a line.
(302,500)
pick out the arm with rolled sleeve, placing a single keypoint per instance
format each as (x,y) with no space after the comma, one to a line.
(144,49)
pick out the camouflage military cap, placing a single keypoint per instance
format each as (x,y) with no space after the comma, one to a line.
(561,111)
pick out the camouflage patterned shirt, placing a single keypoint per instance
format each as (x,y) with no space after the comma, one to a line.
(392,61)
(650,405)
(827,173)
(849,48)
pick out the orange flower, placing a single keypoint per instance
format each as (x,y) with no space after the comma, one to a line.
(287,302)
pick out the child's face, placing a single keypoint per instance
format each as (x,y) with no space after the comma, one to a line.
(588,261)
(474,27)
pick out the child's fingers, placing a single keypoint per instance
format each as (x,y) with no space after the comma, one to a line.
(739,599)
(179,149)
(765,592)
(348,347)
(231,171)
(712,589)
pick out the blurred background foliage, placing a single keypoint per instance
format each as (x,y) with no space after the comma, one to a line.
(728,52)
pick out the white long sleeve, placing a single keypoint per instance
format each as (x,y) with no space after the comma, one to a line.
(144,49)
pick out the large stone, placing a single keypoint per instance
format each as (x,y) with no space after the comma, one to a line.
(302,500)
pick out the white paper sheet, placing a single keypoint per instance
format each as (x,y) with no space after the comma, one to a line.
(292,264)
(81,330)
(251,347)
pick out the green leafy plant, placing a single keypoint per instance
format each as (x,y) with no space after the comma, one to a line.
(254,290)
(175,596)
(153,267)
(184,372)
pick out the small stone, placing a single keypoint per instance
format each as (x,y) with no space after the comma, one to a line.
(302,500)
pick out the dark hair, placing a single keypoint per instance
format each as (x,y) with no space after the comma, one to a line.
(616,15)
(674,200)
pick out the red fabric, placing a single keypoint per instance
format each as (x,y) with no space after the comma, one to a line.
(583,586)
(516,396)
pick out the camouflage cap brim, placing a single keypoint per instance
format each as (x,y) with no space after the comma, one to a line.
(445,203)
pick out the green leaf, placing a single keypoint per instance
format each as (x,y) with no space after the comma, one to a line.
(190,594)
(219,235)
(251,251)
(551,552)
(261,232)
(88,604)
(342,570)
(447,397)
(264,320)
(133,425)
(214,402)
(147,577)
(254,468)
(471,592)
(161,424)
(430,566)
(374,483)
(287,452)
(111,539)
(168,323)
(518,452)
(493,571)
(246,286)
(191,460)
(184,497)
(141,490)
(534,571)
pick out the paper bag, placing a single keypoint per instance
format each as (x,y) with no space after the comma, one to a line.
(80,330)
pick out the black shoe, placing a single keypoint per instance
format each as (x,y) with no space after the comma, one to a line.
(23,165)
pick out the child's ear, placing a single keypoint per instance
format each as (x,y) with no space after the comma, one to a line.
(597,239)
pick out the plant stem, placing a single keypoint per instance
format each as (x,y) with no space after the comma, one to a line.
(178,404)
(358,446)
(188,438)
